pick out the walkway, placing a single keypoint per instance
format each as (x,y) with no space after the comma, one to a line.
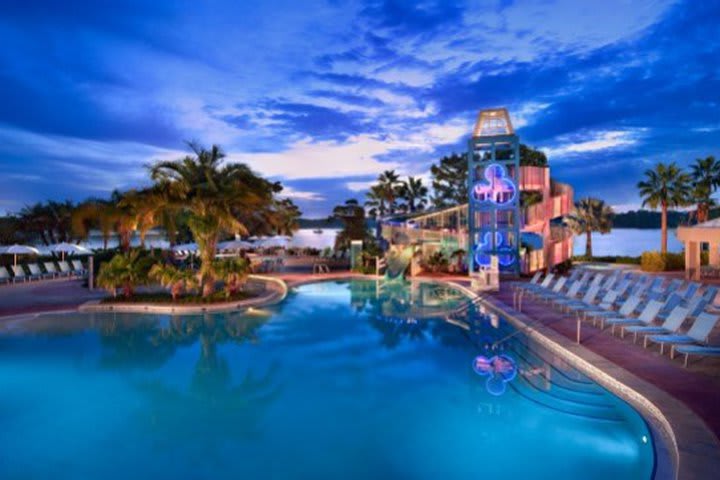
(44,296)
(698,386)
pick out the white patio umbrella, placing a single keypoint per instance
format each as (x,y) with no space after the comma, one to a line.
(64,247)
(185,247)
(16,250)
(277,241)
(234,245)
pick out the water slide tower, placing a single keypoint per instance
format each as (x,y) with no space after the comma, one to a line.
(494,193)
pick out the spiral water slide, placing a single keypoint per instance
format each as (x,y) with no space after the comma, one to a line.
(398,259)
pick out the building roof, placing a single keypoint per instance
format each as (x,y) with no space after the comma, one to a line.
(492,122)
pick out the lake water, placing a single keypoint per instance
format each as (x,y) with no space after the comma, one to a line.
(627,241)
(621,241)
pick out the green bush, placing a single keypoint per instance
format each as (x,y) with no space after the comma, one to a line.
(657,262)
(563,267)
(608,259)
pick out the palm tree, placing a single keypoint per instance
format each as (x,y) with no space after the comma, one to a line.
(217,198)
(119,214)
(414,193)
(176,279)
(705,179)
(590,215)
(234,272)
(667,186)
(376,201)
(125,271)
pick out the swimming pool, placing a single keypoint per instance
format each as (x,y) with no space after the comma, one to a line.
(340,380)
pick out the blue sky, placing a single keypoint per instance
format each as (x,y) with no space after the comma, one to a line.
(323,95)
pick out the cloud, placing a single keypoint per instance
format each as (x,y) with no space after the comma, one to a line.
(326,101)
(290,192)
(592,142)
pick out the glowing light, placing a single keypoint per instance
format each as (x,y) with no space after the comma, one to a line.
(499,369)
(484,250)
(497,187)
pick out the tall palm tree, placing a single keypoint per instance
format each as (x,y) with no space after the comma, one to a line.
(388,187)
(376,201)
(667,186)
(705,174)
(118,215)
(414,193)
(218,199)
(590,215)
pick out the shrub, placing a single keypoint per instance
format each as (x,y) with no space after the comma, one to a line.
(436,262)
(608,259)
(657,262)
(176,279)
(563,267)
(125,271)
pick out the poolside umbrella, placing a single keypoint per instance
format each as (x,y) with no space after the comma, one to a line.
(234,245)
(277,241)
(16,250)
(185,247)
(70,248)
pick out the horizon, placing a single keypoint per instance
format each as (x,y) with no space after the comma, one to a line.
(329,101)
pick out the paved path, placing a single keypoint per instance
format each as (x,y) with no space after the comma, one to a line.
(44,296)
(698,386)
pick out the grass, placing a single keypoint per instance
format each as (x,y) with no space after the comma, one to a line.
(164,298)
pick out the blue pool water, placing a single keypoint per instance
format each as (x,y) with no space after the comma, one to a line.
(338,381)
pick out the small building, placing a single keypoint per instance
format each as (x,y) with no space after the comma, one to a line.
(526,238)
(693,238)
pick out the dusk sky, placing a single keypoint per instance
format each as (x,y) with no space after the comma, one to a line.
(323,95)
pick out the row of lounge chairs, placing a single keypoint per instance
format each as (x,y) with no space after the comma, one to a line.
(33,271)
(643,305)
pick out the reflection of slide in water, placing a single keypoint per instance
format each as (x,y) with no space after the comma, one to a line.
(398,259)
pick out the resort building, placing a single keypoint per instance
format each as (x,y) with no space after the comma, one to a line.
(515,211)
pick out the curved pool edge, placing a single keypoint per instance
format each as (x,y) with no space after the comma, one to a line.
(694,449)
(277,292)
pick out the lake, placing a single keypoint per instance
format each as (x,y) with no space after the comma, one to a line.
(627,242)
(621,241)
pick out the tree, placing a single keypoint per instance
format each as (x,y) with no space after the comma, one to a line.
(125,271)
(667,186)
(352,216)
(531,157)
(590,215)
(449,181)
(705,174)
(120,214)
(176,279)
(49,221)
(217,198)
(234,273)
(376,202)
(414,193)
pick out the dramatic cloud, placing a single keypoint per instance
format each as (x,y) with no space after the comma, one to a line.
(324,95)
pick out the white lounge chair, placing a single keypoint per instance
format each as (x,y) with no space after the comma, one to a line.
(702,350)
(36,273)
(626,310)
(5,275)
(52,269)
(19,274)
(79,269)
(646,317)
(65,268)
(698,334)
(670,325)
